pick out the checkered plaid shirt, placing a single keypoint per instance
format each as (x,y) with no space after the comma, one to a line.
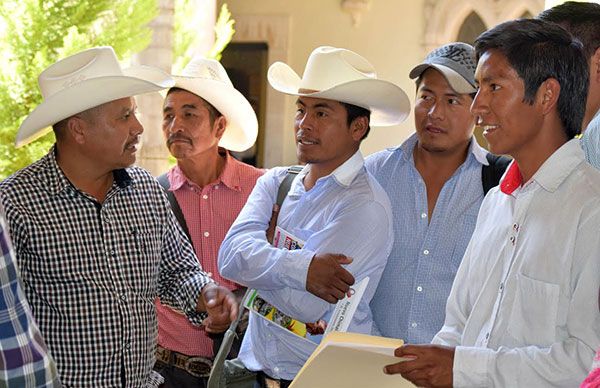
(92,271)
(24,358)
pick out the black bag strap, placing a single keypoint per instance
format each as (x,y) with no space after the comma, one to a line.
(163,180)
(286,183)
(216,374)
(491,174)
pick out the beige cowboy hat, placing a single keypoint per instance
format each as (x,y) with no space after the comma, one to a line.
(342,75)
(83,81)
(207,79)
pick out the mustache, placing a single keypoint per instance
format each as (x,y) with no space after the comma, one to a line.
(177,137)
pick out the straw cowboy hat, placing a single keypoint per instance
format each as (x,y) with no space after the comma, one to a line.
(342,75)
(83,81)
(207,79)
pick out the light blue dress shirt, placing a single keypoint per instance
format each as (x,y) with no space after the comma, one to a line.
(411,299)
(590,141)
(345,212)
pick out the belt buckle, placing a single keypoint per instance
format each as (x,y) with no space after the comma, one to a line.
(198,366)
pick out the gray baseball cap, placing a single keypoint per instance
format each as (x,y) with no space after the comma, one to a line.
(456,61)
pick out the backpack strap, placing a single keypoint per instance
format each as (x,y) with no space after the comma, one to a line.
(286,184)
(163,180)
(216,378)
(491,174)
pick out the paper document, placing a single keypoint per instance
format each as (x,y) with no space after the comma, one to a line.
(340,318)
(351,360)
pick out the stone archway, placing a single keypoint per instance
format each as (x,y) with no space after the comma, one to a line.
(444,18)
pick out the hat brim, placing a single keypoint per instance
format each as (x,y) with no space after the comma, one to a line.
(242,125)
(456,81)
(388,103)
(88,94)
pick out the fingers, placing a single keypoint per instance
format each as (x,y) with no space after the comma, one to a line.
(221,307)
(272,223)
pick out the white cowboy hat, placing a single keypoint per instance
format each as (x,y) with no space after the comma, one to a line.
(207,79)
(83,81)
(342,75)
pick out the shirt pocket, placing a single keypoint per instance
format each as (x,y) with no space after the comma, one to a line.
(534,314)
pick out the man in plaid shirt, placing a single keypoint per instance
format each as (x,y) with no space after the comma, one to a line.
(24,358)
(95,238)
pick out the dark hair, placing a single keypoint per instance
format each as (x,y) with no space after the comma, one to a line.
(213,113)
(582,20)
(355,111)
(540,50)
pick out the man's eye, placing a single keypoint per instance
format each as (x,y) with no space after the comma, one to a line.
(453,101)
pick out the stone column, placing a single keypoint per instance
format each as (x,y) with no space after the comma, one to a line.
(153,154)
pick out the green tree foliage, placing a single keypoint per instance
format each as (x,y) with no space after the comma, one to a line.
(186,33)
(35,34)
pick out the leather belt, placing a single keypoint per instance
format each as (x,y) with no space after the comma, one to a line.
(269,382)
(196,366)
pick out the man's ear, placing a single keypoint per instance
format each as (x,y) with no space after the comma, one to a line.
(595,68)
(549,92)
(358,127)
(219,126)
(76,128)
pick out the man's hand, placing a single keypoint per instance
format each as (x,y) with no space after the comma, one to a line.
(221,306)
(272,223)
(429,365)
(326,277)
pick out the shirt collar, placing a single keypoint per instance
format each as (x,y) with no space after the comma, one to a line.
(230,176)
(478,152)
(54,179)
(343,175)
(553,171)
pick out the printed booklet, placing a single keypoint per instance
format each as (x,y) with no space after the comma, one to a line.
(340,318)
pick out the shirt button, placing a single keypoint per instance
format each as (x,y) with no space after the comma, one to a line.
(419,288)
(423,215)
(217,187)
(501,286)
(123,297)
(206,234)
(516,227)
(209,274)
(487,336)
(205,196)
(127,345)
(512,240)
(112,252)
(426,252)
(414,324)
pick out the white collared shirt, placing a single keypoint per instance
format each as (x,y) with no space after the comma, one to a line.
(345,212)
(523,310)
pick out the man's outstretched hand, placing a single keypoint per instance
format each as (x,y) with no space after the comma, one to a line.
(427,365)
(221,306)
(327,278)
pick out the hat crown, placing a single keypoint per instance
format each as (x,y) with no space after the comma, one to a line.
(207,69)
(66,73)
(457,56)
(330,66)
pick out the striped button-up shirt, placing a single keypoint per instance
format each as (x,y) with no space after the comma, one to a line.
(590,141)
(411,299)
(93,270)
(24,358)
(209,211)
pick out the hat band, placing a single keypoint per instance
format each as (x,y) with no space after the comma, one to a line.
(307,91)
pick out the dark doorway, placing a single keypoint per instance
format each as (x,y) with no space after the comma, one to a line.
(246,64)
